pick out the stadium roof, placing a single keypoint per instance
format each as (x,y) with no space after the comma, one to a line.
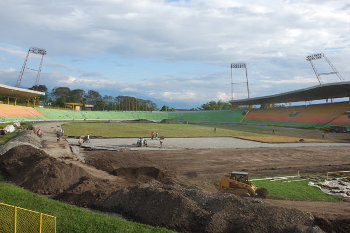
(323,91)
(18,92)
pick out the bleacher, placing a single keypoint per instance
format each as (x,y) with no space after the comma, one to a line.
(193,116)
(18,113)
(312,115)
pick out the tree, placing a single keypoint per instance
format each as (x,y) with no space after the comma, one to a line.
(61,92)
(93,97)
(76,96)
(42,88)
(165,108)
(109,102)
(59,102)
(220,105)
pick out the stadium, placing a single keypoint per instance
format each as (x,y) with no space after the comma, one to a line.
(172,183)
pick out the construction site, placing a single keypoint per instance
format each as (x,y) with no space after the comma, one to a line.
(178,180)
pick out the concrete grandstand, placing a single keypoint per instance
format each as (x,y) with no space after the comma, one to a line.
(318,115)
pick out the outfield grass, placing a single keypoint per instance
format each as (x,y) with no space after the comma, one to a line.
(106,129)
(70,218)
(297,190)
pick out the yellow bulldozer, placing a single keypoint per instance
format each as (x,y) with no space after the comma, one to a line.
(238,183)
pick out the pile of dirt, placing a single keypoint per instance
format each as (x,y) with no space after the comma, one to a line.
(188,209)
(153,199)
(333,225)
(142,174)
(27,137)
(169,121)
(35,170)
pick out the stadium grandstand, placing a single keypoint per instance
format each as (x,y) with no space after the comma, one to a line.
(13,112)
(317,115)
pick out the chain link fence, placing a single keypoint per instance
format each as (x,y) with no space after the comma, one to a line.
(14,219)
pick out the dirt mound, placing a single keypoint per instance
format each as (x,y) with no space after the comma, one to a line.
(27,137)
(33,169)
(334,225)
(169,121)
(89,192)
(143,174)
(188,209)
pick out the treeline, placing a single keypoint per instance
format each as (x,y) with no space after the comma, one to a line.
(60,96)
(219,105)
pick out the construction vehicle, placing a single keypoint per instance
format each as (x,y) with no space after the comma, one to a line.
(237,183)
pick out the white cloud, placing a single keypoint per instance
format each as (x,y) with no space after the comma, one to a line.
(296,79)
(223,96)
(178,96)
(128,89)
(272,37)
(16,52)
(7,70)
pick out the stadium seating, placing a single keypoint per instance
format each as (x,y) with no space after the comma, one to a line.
(18,111)
(320,114)
(193,116)
(312,115)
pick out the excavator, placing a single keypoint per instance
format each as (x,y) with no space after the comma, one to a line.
(237,183)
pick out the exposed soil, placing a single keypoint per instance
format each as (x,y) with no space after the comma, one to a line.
(169,121)
(138,121)
(202,166)
(177,188)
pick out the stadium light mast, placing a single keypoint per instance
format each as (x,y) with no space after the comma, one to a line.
(318,56)
(239,66)
(33,50)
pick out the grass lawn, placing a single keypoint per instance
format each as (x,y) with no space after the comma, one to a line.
(7,137)
(106,129)
(70,218)
(297,190)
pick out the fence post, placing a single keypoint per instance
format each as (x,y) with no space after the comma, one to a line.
(15,219)
(41,221)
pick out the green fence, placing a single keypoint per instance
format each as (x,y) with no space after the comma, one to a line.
(14,219)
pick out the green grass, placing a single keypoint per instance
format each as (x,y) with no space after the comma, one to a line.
(299,191)
(70,218)
(144,130)
(5,138)
(107,129)
(110,129)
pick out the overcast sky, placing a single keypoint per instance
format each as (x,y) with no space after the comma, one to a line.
(174,52)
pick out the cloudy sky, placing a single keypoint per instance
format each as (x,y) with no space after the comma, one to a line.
(174,52)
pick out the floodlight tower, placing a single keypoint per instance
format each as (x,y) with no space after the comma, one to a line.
(318,56)
(33,50)
(239,66)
